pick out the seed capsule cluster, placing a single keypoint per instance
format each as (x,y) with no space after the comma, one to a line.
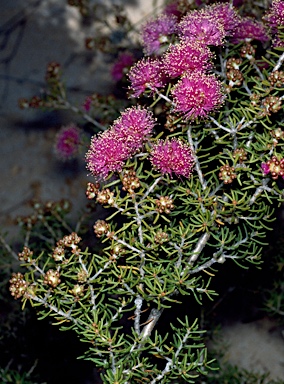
(275,167)
(240,155)
(277,133)
(77,291)
(70,241)
(227,174)
(271,104)
(52,278)
(92,190)
(130,181)
(58,253)
(18,285)
(248,52)
(164,204)
(105,197)
(101,228)
(276,79)
(235,77)
(25,255)
(161,237)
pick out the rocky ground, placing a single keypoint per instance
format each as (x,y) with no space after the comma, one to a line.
(33,33)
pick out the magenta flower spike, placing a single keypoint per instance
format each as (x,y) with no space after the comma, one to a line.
(200,26)
(248,30)
(172,156)
(134,127)
(197,94)
(146,74)
(186,56)
(156,32)
(275,15)
(109,150)
(225,14)
(67,142)
(121,66)
(107,153)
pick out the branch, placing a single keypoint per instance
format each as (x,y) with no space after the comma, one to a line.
(53,308)
(170,363)
(67,105)
(279,63)
(199,247)
(150,189)
(151,322)
(197,165)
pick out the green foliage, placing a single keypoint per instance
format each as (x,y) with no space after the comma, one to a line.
(14,377)
(163,239)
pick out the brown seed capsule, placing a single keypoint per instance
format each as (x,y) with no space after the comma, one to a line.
(276,79)
(130,181)
(164,204)
(233,63)
(227,174)
(18,285)
(235,77)
(161,237)
(77,291)
(248,51)
(92,190)
(82,276)
(58,253)
(52,278)
(25,255)
(271,104)
(105,197)
(101,228)
(240,154)
(276,167)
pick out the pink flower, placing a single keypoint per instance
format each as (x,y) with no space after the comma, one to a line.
(133,127)
(156,32)
(186,56)
(146,74)
(172,9)
(109,150)
(197,94)
(107,153)
(67,142)
(248,30)
(121,66)
(172,156)
(277,41)
(87,104)
(198,25)
(265,168)
(274,19)
(226,14)
(275,15)
(274,166)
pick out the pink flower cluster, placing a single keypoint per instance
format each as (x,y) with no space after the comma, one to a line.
(249,29)
(186,57)
(121,66)
(156,32)
(109,150)
(200,26)
(274,167)
(146,74)
(275,19)
(172,156)
(67,142)
(197,94)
